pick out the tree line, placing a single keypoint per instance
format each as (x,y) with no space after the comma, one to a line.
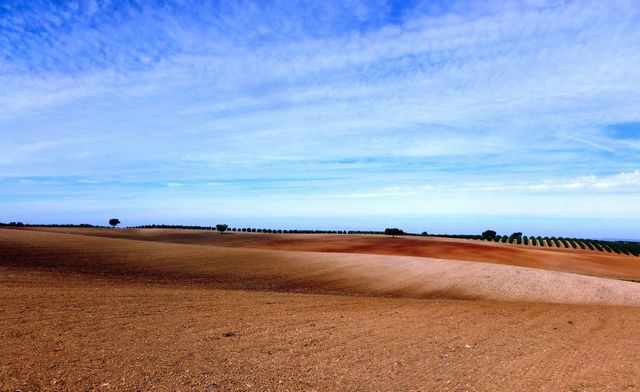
(517,238)
(618,247)
(21,224)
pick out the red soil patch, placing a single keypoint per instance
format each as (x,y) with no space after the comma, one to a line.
(586,262)
(312,272)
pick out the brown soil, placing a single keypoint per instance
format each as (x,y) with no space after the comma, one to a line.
(587,262)
(308,272)
(87,313)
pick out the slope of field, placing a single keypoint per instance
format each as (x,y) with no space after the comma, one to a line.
(586,262)
(258,269)
(92,313)
(78,334)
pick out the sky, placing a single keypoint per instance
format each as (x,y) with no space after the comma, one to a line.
(437,116)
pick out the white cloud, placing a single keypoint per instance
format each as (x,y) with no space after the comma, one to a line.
(483,97)
(627,181)
(618,180)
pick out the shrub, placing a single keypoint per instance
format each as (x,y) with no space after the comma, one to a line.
(488,235)
(393,231)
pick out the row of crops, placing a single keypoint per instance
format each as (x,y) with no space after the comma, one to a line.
(618,247)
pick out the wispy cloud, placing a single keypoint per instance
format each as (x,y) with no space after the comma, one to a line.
(621,182)
(382,95)
(627,182)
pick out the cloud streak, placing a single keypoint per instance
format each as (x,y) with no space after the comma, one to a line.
(380,94)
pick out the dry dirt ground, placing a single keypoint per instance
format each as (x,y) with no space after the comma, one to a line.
(81,312)
(579,261)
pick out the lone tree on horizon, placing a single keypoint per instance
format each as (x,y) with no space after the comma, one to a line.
(221,228)
(393,232)
(488,235)
(114,222)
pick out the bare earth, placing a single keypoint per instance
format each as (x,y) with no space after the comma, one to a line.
(579,261)
(175,310)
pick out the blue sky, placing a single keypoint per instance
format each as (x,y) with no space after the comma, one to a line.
(438,116)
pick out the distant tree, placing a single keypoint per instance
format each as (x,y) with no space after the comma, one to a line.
(488,235)
(548,241)
(393,231)
(114,222)
(424,233)
(221,228)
